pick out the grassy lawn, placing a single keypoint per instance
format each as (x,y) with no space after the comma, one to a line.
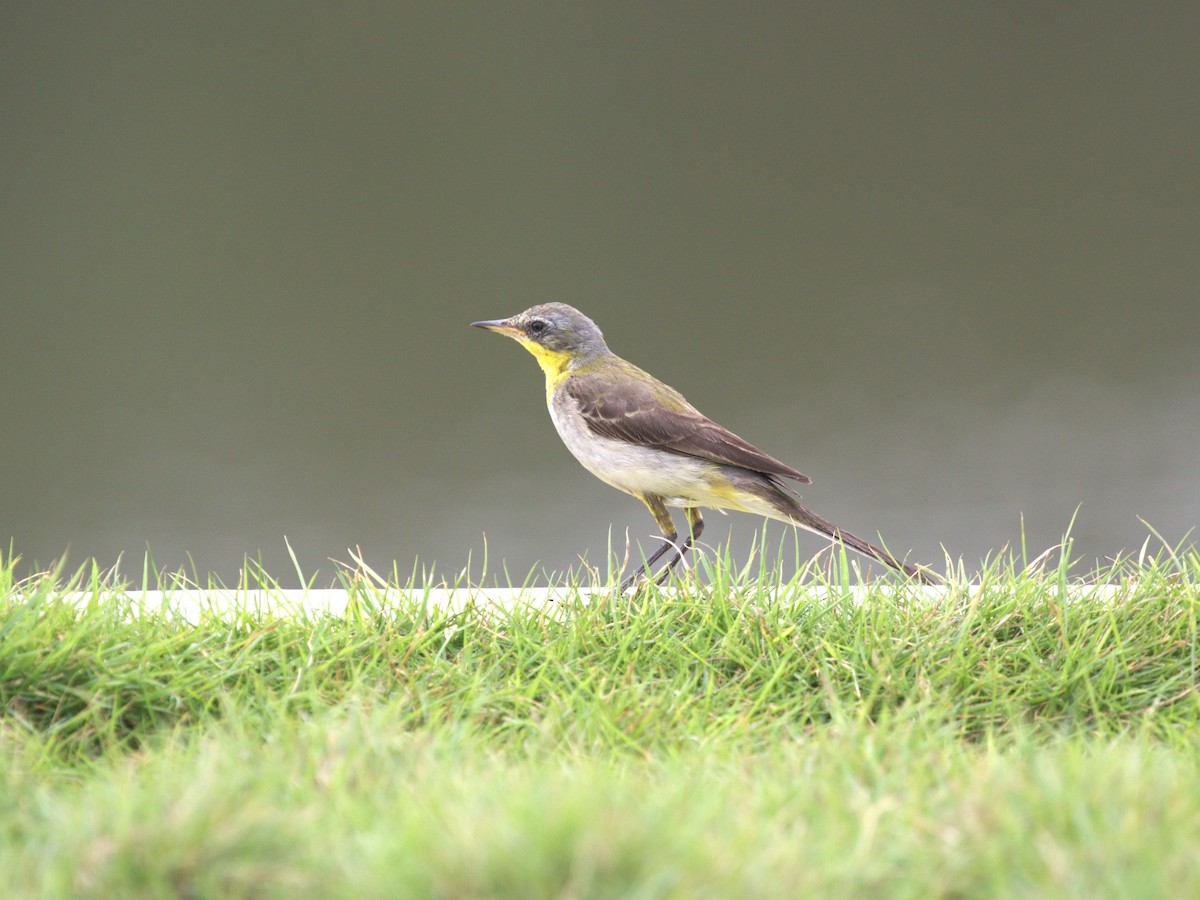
(744,737)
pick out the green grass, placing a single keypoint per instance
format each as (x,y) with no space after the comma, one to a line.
(739,736)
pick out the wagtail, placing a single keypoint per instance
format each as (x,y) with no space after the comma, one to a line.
(641,436)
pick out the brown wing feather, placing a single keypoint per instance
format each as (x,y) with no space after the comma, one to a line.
(647,412)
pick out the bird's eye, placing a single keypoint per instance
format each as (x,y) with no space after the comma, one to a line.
(537,326)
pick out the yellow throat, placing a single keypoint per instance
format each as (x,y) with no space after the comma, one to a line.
(553,362)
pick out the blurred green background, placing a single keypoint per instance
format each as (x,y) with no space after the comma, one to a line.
(944,258)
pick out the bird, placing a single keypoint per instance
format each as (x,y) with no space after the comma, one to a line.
(643,437)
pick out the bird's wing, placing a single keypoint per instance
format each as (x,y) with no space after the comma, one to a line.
(644,411)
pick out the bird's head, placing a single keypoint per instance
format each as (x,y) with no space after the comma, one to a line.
(556,334)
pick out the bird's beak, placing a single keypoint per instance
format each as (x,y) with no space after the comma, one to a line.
(500,326)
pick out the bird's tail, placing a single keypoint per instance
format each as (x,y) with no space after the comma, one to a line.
(804,517)
(787,508)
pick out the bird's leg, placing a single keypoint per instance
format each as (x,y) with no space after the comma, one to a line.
(671,543)
(695,523)
(695,528)
(666,525)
